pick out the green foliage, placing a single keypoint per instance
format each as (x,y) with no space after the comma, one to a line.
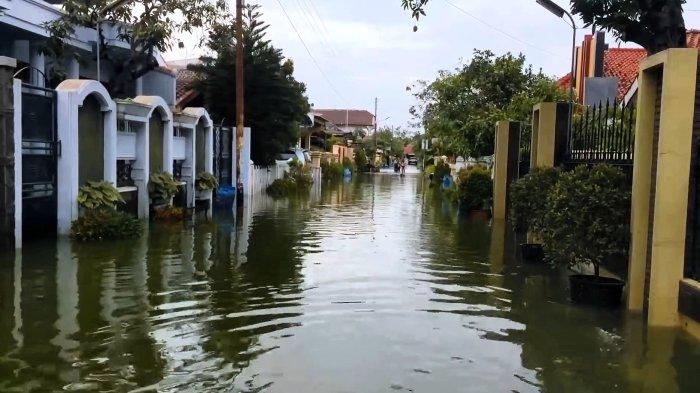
(206,181)
(655,25)
(101,194)
(332,171)
(528,198)
(275,100)
(461,107)
(588,217)
(430,170)
(475,188)
(145,26)
(297,180)
(105,224)
(162,186)
(441,170)
(361,161)
(334,140)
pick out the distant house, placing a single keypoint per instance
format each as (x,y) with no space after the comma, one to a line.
(348,120)
(604,73)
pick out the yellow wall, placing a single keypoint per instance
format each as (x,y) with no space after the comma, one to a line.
(543,135)
(672,182)
(500,170)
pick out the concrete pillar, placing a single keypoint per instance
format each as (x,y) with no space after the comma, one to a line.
(73,71)
(549,131)
(505,169)
(316,159)
(7,153)
(661,181)
(37,61)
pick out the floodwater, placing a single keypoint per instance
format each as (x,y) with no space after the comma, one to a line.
(372,286)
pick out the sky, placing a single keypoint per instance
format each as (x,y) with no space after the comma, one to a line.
(348,52)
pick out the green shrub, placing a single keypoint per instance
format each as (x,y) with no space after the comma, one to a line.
(206,181)
(105,224)
(347,164)
(94,195)
(332,171)
(161,185)
(442,169)
(588,217)
(528,198)
(430,170)
(361,161)
(475,188)
(297,180)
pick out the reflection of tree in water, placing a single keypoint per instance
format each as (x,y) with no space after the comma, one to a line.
(252,296)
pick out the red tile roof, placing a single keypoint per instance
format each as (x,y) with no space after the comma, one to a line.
(183,91)
(352,117)
(623,63)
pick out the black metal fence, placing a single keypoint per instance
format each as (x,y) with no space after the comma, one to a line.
(524,150)
(602,134)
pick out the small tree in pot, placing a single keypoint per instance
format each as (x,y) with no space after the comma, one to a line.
(588,219)
(475,190)
(528,206)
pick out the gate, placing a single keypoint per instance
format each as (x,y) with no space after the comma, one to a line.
(40,150)
(223,158)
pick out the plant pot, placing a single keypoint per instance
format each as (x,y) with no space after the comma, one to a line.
(481,215)
(532,252)
(596,291)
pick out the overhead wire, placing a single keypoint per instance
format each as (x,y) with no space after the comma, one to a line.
(308,51)
(499,30)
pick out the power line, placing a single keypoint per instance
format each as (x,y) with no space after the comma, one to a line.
(311,21)
(505,33)
(310,54)
(322,23)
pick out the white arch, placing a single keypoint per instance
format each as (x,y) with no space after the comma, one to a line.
(202,114)
(198,115)
(159,104)
(71,94)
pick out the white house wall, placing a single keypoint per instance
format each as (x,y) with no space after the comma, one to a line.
(158,103)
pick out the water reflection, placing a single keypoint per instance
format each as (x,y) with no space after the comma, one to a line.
(371,285)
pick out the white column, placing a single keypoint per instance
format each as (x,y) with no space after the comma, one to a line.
(17,90)
(73,69)
(138,85)
(140,171)
(37,61)
(110,144)
(189,164)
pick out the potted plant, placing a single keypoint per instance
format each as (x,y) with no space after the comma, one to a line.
(475,191)
(162,187)
(100,219)
(528,206)
(206,181)
(588,220)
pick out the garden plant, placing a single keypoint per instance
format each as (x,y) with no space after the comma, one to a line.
(100,219)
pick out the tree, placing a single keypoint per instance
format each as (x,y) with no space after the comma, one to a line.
(275,101)
(146,26)
(656,25)
(461,107)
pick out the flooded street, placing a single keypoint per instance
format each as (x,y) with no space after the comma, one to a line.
(372,286)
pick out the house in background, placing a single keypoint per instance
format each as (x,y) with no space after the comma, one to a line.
(348,120)
(604,73)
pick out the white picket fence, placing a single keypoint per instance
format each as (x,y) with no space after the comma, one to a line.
(262,176)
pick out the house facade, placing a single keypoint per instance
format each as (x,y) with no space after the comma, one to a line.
(68,129)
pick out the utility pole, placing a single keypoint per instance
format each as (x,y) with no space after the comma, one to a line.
(376,120)
(240,93)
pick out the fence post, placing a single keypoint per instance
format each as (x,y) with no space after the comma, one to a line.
(663,191)
(549,134)
(506,161)
(7,153)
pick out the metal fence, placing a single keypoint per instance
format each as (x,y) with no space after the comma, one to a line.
(524,150)
(602,134)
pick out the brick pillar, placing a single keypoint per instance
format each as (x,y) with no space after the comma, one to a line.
(7,153)
(505,169)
